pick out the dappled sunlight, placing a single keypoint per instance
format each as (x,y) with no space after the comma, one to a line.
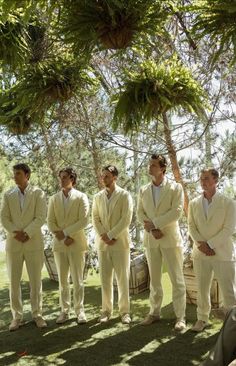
(101,344)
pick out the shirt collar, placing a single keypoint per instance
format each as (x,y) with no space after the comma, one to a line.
(212,198)
(25,191)
(159,186)
(69,193)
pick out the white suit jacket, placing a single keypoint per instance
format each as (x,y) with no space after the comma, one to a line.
(164,215)
(73,219)
(30,219)
(217,228)
(113,219)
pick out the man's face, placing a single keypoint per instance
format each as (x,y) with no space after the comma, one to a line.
(65,181)
(207,181)
(20,177)
(154,168)
(107,178)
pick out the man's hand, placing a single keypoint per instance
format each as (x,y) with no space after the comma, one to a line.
(21,236)
(148,225)
(68,241)
(111,242)
(106,239)
(59,235)
(204,248)
(158,234)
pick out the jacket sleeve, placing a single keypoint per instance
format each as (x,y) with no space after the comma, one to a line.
(83,217)
(175,211)
(141,214)
(125,219)
(6,218)
(96,221)
(192,228)
(51,218)
(39,215)
(228,227)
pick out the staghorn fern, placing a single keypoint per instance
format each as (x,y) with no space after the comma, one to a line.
(16,120)
(218,20)
(154,90)
(37,42)
(112,24)
(13,44)
(45,85)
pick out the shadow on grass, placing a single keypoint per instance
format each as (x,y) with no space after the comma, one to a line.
(104,345)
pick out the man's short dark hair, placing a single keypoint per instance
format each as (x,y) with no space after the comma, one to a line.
(161,159)
(22,166)
(215,174)
(71,172)
(112,169)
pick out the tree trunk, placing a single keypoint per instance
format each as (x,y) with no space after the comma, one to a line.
(50,157)
(207,137)
(96,160)
(173,159)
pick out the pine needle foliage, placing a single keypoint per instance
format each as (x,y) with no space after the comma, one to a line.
(111,24)
(155,89)
(218,20)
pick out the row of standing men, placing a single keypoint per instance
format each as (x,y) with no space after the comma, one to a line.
(211,222)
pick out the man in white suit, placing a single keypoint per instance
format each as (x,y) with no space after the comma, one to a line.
(111,214)
(212,220)
(68,215)
(23,212)
(160,205)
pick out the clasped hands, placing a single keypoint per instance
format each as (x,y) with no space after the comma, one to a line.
(21,236)
(61,236)
(106,239)
(204,248)
(149,227)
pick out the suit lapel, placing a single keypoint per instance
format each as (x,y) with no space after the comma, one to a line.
(201,208)
(60,204)
(150,198)
(113,201)
(104,204)
(16,199)
(28,197)
(70,202)
(212,207)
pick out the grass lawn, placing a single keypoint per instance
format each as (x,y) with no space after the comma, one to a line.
(94,344)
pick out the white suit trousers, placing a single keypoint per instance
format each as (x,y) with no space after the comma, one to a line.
(34,263)
(73,263)
(225,273)
(118,261)
(173,258)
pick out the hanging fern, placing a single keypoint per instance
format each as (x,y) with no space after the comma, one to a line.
(45,85)
(13,44)
(111,24)
(37,42)
(17,121)
(154,90)
(218,20)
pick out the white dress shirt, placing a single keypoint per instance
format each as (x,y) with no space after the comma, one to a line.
(156,191)
(22,196)
(65,203)
(206,205)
